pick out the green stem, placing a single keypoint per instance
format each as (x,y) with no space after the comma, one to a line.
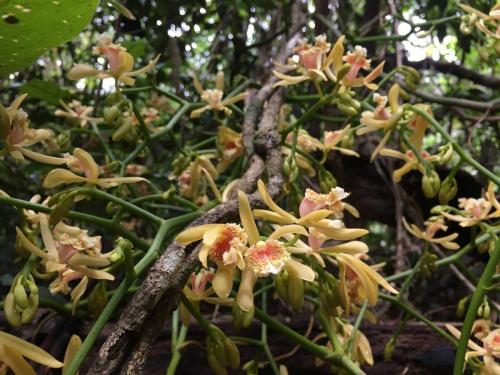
(332,337)
(406,307)
(355,328)
(106,147)
(476,300)
(318,350)
(177,341)
(263,337)
(204,324)
(115,300)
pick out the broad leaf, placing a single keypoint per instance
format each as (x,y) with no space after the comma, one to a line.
(48,91)
(29,28)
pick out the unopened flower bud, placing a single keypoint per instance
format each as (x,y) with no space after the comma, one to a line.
(217,367)
(344,69)
(124,130)
(448,190)
(242,319)
(112,115)
(461,306)
(347,109)
(11,314)
(21,302)
(430,184)
(64,140)
(232,353)
(326,180)
(290,168)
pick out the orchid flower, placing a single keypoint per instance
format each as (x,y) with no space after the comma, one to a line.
(315,62)
(17,135)
(198,291)
(120,62)
(489,351)
(82,162)
(230,145)
(410,161)
(214,97)
(71,253)
(191,180)
(357,59)
(332,138)
(224,244)
(476,210)
(12,351)
(487,23)
(77,113)
(429,233)
(382,118)
(265,257)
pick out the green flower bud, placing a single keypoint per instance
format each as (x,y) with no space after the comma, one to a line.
(326,180)
(251,367)
(461,306)
(124,130)
(347,109)
(242,319)
(344,69)
(295,291)
(430,184)
(280,284)
(11,314)
(232,353)
(448,190)
(21,297)
(217,367)
(63,139)
(112,115)
(113,98)
(445,153)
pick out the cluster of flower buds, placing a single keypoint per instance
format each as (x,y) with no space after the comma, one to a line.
(222,352)
(241,318)
(290,288)
(329,296)
(21,303)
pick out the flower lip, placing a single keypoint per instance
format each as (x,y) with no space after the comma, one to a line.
(266,257)
(230,240)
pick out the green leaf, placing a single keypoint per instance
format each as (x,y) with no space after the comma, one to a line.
(29,28)
(48,91)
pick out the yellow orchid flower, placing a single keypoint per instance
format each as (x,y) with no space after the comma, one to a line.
(198,291)
(265,257)
(476,210)
(213,97)
(489,351)
(230,145)
(77,113)
(315,62)
(315,210)
(17,135)
(12,351)
(411,162)
(429,233)
(82,162)
(120,62)
(224,244)
(382,118)
(191,180)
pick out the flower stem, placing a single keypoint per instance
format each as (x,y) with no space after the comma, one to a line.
(476,300)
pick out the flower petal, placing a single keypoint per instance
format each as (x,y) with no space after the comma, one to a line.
(247,219)
(196,233)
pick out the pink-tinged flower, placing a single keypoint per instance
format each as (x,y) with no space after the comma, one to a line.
(429,234)
(77,113)
(197,290)
(224,244)
(193,180)
(83,163)
(357,59)
(332,201)
(120,62)
(332,138)
(17,135)
(315,62)
(476,210)
(214,97)
(490,351)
